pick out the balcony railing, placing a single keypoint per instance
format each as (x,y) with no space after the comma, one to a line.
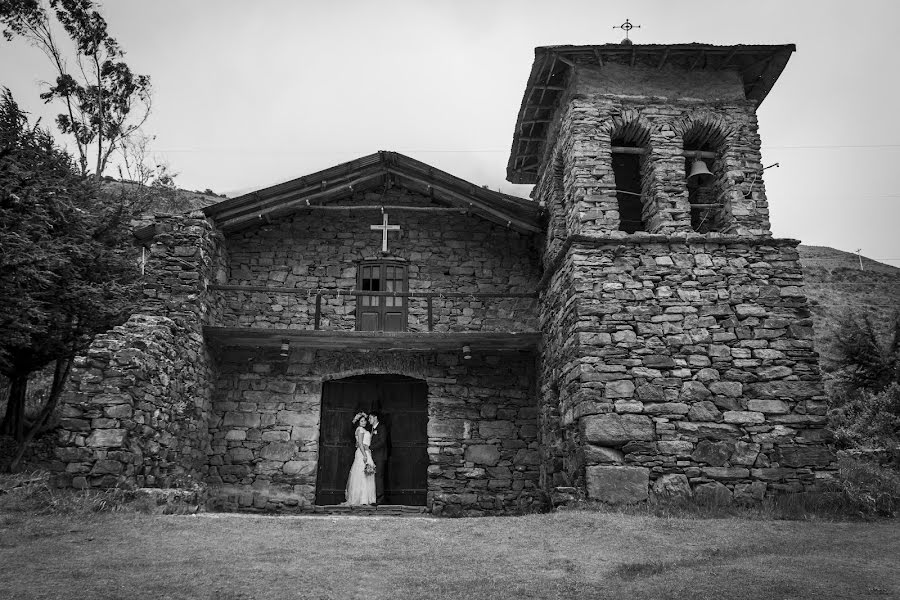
(334,309)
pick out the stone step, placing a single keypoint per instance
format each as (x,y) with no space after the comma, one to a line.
(379,510)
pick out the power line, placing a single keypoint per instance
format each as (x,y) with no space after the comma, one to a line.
(251,150)
(830,146)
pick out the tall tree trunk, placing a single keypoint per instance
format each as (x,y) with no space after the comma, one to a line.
(14,421)
(60,374)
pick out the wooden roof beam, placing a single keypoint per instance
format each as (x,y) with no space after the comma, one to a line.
(253,213)
(760,80)
(697,60)
(727,59)
(549,77)
(663,60)
(563,59)
(499,216)
(338,183)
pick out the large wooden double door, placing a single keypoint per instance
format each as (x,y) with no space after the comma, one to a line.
(403,404)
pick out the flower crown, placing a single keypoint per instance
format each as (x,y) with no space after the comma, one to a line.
(359,416)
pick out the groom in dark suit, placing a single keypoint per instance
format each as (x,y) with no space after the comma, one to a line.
(379,449)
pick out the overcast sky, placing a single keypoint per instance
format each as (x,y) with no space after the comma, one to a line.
(250,94)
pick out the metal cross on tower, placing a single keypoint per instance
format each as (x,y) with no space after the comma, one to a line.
(626,27)
(384,228)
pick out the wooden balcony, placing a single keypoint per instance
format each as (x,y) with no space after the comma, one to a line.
(269,317)
(370,340)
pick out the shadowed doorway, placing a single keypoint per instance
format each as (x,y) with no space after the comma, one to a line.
(403,404)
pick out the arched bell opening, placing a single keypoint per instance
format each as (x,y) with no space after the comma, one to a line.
(703,144)
(630,149)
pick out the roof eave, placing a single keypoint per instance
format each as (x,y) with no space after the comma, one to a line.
(553,62)
(322,186)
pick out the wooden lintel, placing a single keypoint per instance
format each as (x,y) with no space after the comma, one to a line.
(639,150)
(533,121)
(699,154)
(531,139)
(707,205)
(628,150)
(557,88)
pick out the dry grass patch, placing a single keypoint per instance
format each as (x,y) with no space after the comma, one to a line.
(575,554)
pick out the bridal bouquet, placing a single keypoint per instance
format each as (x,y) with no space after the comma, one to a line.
(370,469)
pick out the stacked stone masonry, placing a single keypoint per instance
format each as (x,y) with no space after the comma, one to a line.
(138,402)
(442,252)
(691,360)
(590,116)
(676,361)
(482,429)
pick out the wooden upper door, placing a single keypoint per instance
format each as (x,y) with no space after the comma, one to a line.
(403,404)
(381,313)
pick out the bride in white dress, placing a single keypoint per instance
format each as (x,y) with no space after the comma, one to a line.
(361,485)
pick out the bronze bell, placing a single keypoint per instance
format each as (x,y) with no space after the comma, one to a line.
(700,174)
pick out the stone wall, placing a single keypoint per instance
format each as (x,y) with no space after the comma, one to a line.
(694,370)
(444,252)
(138,401)
(482,428)
(595,109)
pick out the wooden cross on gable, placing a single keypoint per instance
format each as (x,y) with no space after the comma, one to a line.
(384,228)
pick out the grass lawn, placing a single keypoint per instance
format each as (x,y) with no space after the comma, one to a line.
(577,554)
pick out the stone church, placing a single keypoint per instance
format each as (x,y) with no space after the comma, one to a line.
(633,330)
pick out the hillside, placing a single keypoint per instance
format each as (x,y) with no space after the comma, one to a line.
(836,286)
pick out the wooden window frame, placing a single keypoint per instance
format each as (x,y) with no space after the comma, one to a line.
(382,264)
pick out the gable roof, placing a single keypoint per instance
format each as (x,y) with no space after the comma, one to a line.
(758,65)
(320,189)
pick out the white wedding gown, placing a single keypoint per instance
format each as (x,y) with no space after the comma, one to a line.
(361,487)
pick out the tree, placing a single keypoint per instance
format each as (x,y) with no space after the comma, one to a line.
(865,405)
(67,270)
(867,361)
(104,101)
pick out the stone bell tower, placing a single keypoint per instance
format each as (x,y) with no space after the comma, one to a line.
(678,356)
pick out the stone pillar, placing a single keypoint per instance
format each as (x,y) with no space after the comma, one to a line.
(136,409)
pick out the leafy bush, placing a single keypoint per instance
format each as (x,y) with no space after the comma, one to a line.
(868,488)
(866,419)
(864,406)
(868,362)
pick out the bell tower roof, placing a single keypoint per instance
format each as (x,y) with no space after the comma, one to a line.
(758,67)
